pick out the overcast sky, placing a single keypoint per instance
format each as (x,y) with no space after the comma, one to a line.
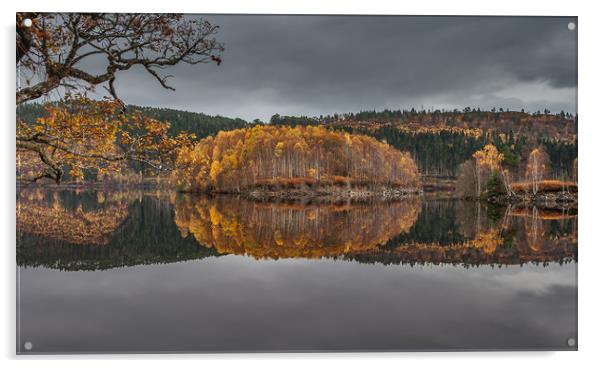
(314,65)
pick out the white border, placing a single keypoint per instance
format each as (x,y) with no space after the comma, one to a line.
(590,133)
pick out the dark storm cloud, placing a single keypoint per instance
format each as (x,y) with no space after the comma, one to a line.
(324,64)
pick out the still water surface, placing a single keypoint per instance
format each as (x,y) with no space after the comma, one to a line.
(155,272)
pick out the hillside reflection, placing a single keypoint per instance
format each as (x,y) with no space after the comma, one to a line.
(142,231)
(282,230)
(518,236)
(53,217)
(95,230)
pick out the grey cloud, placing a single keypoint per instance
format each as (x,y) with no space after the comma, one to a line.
(324,64)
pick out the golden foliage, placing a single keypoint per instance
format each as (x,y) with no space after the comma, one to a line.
(75,226)
(82,134)
(544,214)
(243,159)
(488,158)
(488,241)
(546,186)
(277,230)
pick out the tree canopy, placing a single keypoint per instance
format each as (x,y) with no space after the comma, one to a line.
(281,156)
(82,134)
(55,50)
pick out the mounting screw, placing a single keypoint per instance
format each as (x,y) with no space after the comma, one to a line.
(571,342)
(571,26)
(28,345)
(27,22)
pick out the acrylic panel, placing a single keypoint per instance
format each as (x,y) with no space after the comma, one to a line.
(295,183)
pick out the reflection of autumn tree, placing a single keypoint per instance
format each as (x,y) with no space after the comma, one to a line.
(52,220)
(523,236)
(537,227)
(538,165)
(487,160)
(384,233)
(148,236)
(534,230)
(289,230)
(488,241)
(467,216)
(367,233)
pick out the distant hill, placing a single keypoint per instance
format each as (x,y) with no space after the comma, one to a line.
(561,126)
(439,141)
(202,125)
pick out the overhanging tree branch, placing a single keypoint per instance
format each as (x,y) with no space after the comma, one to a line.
(53,47)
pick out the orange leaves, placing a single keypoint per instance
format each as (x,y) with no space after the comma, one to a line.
(56,221)
(245,158)
(283,230)
(215,170)
(79,134)
(126,138)
(488,240)
(546,186)
(77,173)
(279,148)
(488,157)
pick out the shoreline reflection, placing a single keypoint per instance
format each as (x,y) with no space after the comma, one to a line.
(95,230)
(285,230)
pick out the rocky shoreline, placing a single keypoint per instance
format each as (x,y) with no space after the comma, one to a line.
(549,200)
(333,194)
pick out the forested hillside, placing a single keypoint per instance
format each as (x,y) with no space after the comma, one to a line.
(553,126)
(438,141)
(200,124)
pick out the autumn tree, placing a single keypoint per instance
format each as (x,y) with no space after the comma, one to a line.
(81,134)
(487,160)
(53,51)
(484,167)
(537,168)
(292,157)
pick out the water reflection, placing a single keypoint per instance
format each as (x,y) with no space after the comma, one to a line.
(49,217)
(90,230)
(285,230)
(142,231)
(518,236)
(180,274)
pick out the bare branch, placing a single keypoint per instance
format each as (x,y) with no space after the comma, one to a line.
(56,43)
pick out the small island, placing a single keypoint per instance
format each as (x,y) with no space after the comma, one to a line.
(272,162)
